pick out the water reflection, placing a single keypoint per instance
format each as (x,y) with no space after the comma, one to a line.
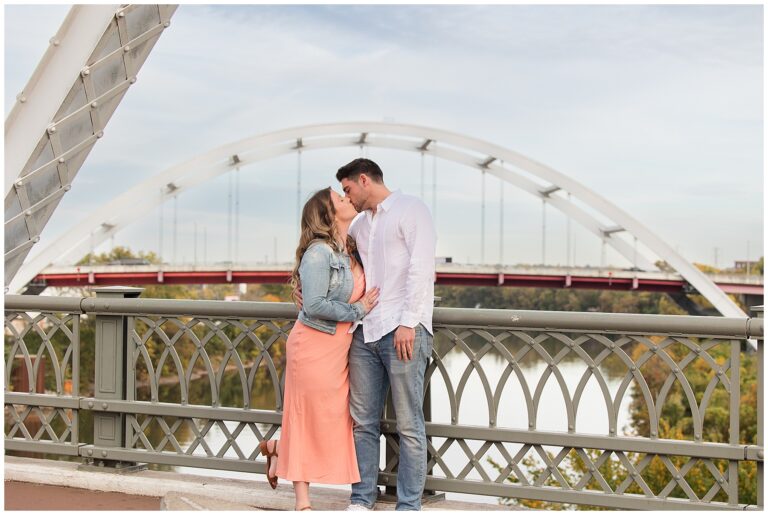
(477,397)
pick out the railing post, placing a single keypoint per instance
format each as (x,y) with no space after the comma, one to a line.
(428,410)
(733,437)
(428,418)
(759,310)
(111,348)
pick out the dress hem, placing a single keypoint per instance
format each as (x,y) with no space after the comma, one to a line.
(320,481)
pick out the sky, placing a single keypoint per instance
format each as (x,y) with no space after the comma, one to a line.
(657,108)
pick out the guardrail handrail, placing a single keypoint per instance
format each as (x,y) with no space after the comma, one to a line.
(518,319)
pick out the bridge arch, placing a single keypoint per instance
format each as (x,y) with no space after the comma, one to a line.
(525,173)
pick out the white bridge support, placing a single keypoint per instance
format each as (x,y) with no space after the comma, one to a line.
(604,219)
(90,64)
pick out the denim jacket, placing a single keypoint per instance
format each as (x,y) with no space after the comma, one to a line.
(326,285)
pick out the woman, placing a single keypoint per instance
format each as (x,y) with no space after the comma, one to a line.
(316,443)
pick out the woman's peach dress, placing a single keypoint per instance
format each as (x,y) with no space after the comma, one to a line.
(316,443)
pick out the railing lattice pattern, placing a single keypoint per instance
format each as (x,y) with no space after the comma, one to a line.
(202,389)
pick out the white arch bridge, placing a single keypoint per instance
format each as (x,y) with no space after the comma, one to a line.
(581,204)
(94,59)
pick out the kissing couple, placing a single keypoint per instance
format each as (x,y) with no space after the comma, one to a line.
(364,283)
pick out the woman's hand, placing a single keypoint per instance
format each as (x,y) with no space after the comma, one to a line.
(370,299)
(299,300)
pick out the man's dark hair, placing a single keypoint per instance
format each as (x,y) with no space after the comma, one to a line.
(353,169)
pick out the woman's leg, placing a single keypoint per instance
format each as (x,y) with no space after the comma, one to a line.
(273,466)
(301,490)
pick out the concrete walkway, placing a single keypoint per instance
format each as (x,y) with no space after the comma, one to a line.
(30,496)
(155,490)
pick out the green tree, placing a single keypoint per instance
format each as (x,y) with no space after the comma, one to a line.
(676,422)
(116,254)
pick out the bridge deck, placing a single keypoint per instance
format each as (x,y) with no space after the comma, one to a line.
(151,484)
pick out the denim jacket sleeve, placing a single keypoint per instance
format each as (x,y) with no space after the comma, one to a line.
(314,273)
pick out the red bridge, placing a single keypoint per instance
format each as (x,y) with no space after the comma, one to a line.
(446,274)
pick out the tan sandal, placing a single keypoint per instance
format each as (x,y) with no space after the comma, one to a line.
(264,449)
(305,508)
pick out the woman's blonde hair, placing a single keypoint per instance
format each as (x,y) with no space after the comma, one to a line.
(317,223)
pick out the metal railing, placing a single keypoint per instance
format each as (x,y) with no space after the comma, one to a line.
(198,383)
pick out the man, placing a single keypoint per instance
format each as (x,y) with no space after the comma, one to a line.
(396,240)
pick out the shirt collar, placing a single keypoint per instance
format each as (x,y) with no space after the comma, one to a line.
(384,205)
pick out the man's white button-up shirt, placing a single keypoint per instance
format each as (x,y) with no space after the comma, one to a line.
(397,247)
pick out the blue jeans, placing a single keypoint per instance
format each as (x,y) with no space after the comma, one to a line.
(373,368)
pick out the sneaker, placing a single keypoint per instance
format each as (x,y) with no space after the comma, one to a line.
(357,507)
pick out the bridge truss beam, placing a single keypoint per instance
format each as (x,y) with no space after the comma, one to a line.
(92,61)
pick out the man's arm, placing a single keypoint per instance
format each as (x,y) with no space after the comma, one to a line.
(420,240)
